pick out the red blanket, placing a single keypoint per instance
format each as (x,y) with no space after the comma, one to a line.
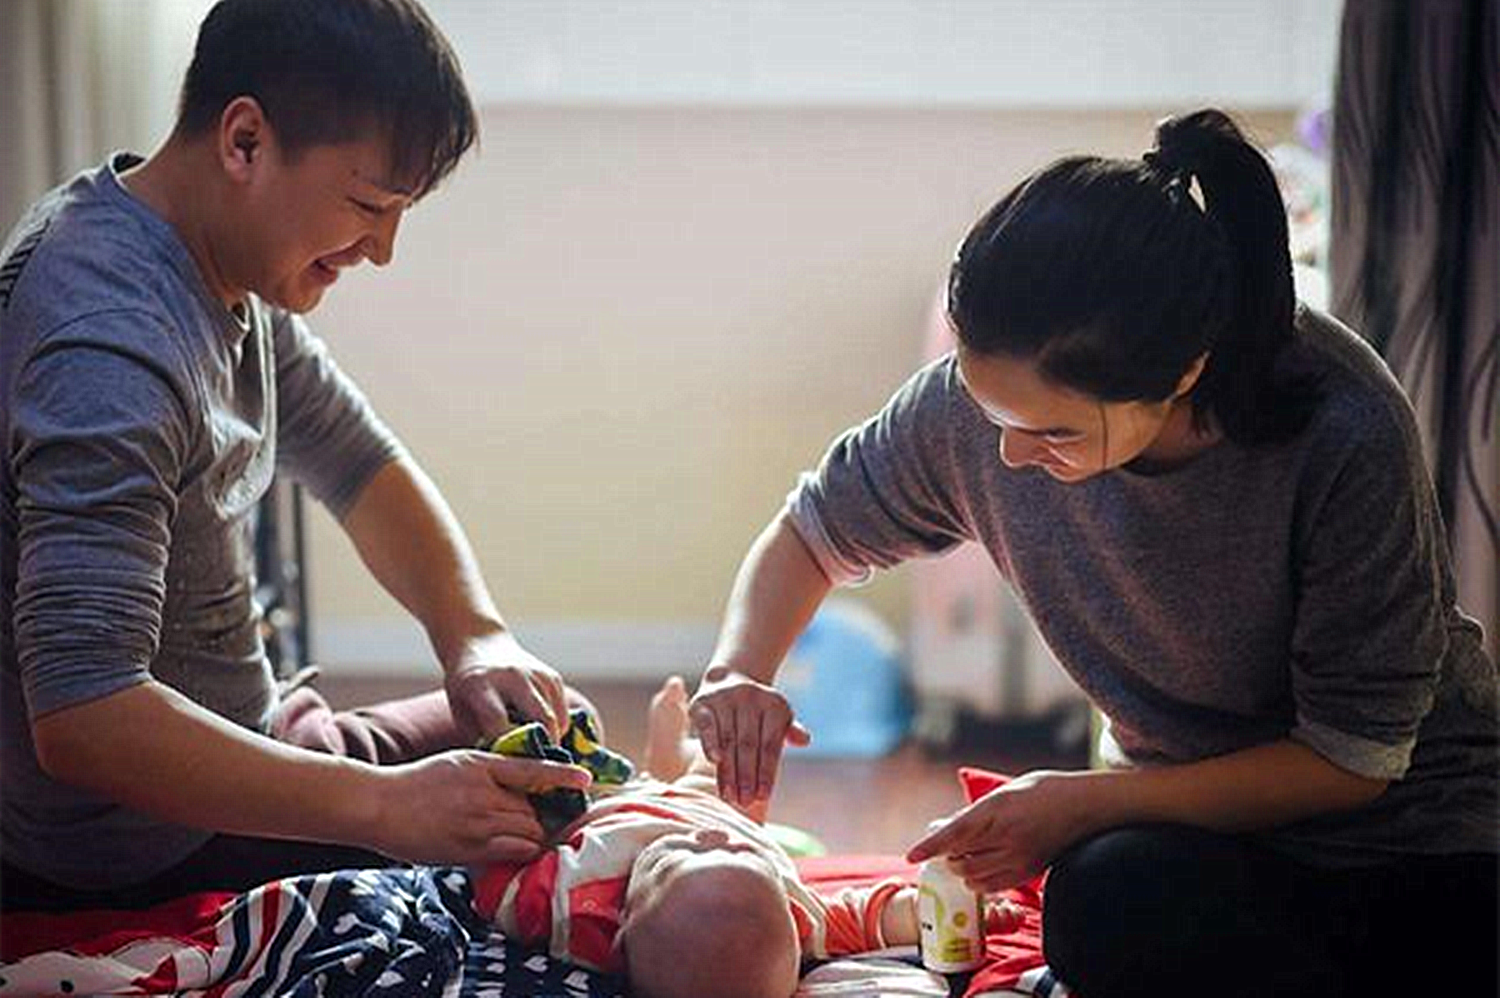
(1013,960)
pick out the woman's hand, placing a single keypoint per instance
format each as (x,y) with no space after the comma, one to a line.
(1011,834)
(493,675)
(742,725)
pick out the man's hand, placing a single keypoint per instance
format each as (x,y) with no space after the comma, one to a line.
(742,725)
(188,765)
(1012,833)
(464,807)
(493,674)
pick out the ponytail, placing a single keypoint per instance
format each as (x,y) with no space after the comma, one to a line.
(1246,384)
(1113,279)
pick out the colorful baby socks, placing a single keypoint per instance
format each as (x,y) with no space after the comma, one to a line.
(580,746)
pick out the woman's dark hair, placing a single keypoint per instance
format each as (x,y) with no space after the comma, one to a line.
(1112,278)
(330,71)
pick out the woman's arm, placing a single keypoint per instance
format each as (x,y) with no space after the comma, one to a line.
(1261,787)
(1011,834)
(740,718)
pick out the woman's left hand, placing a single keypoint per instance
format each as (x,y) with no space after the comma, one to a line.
(1012,833)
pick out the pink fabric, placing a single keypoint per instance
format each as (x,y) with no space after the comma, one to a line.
(386,733)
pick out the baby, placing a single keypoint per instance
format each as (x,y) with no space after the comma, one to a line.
(684,893)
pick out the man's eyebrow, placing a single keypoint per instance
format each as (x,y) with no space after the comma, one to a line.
(395,193)
(387,187)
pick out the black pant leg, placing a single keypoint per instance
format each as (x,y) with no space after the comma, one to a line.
(1172,910)
(1434,924)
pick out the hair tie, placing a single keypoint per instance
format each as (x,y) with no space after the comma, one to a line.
(1179,181)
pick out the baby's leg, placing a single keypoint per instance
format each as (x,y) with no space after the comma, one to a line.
(674,756)
(669,752)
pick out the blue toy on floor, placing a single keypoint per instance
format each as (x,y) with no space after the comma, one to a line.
(845,679)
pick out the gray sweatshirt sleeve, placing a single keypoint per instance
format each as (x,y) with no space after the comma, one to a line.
(328,436)
(1370,633)
(885,490)
(99,437)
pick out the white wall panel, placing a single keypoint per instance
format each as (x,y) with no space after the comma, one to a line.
(1009,53)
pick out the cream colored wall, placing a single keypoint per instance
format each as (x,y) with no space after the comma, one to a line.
(617,334)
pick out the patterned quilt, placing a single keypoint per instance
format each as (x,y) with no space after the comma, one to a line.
(366,933)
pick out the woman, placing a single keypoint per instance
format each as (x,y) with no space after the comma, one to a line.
(1213,503)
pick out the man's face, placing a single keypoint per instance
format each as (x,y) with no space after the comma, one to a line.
(308,217)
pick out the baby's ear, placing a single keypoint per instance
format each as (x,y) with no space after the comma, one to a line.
(617,949)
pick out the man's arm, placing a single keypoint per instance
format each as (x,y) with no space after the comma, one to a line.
(413,545)
(150,748)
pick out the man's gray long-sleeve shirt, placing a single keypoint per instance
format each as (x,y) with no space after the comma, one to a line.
(1298,591)
(141,422)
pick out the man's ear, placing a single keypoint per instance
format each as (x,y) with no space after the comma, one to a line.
(1189,379)
(243,138)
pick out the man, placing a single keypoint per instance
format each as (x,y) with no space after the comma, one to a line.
(154,371)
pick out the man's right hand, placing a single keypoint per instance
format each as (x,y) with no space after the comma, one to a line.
(465,807)
(742,725)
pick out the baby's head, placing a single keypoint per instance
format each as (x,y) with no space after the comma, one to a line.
(706,914)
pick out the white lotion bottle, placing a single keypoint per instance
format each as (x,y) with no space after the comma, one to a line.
(950,915)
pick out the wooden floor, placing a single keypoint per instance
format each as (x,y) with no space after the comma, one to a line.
(852,805)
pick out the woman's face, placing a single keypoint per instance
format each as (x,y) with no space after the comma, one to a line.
(1069,435)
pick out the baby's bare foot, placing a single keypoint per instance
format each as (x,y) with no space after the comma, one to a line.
(667,757)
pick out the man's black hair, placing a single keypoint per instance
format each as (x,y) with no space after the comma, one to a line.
(330,71)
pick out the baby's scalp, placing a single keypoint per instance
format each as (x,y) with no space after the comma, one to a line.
(711,927)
